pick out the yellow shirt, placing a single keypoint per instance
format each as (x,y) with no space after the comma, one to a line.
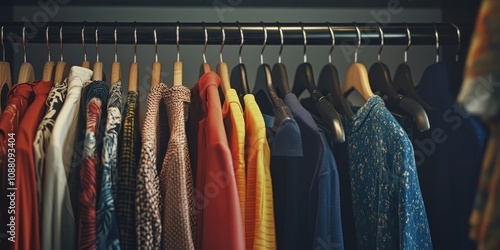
(259,220)
(234,124)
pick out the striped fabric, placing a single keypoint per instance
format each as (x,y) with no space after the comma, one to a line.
(235,130)
(259,220)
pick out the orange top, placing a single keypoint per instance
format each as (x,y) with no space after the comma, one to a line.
(219,222)
(259,220)
(235,130)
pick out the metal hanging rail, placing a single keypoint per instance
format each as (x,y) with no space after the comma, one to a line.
(194,33)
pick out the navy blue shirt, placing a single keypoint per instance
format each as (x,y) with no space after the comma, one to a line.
(315,187)
(448,158)
(388,208)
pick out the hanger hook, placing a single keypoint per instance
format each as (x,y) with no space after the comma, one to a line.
(135,42)
(382,41)
(358,34)
(61,41)
(241,43)
(3,46)
(177,38)
(47,41)
(97,41)
(83,42)
(459,39)
(408,34)
(223,41)
(156,44)
(304,35)
(436,33)
(206,43)
(282,41)
(333,43)
(24,43)
(264,44)
(116,47)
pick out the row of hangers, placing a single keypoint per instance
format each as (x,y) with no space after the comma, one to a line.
(330,103)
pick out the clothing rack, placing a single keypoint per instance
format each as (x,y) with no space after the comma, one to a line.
(194,33)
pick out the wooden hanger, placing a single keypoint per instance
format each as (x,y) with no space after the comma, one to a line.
(356,77)
(85,63)
(26,71)
(116,73)
(98,66)
(62,69)
(222,69)
(5,78)
(205,67)
(133,73)
(178,63)
(156,70)
(48,68)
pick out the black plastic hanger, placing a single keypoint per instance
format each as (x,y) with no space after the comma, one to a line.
(380,82)
(304,79)
(403,81)
(239,79)
(329,84)
(279,73)
(264,92)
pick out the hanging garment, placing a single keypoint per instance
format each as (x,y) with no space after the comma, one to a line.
(176,183)
(54,104)
(485,216)
(129,149)
(317,184)
(219,222)
(480,92)
(107,225)
(19,98)
(259,221)
(95,116)
(448,171)
(234,123)
(388,207)
(285,142)
(58,219)
(148,209)
(27,214)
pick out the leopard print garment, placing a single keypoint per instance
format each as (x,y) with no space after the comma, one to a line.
(148,217)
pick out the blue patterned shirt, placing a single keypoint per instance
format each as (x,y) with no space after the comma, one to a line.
(388,208)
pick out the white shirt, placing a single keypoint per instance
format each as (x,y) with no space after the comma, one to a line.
(58,220)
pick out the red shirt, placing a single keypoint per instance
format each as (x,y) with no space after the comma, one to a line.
(219,222)
(19,98)
(27,228)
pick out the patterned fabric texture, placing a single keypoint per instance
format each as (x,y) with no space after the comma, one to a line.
(107,227)
(388,207)
(128,154)
(176,183)
(54,104)
(97,96)
(148,215)
(480,91)
(484,221)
